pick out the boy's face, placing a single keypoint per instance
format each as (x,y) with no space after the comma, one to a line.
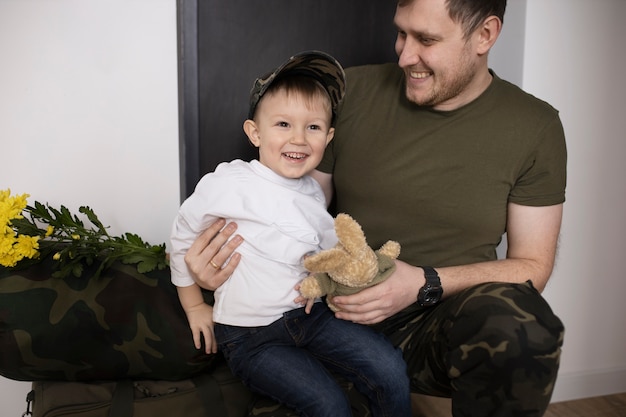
(291,132)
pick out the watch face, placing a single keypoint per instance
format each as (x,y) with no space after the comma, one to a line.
(429,296)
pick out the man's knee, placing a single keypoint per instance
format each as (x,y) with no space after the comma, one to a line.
(505,349)
(499,322)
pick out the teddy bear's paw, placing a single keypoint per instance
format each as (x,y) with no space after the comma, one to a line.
(310,288)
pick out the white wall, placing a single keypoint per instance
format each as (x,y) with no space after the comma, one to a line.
(89,115)
(506,57)
(575,59)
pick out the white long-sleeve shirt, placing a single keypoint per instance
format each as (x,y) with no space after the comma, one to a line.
(280,219)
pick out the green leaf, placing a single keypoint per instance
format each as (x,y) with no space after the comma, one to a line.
(93,218)
(134,239)
(146,266)
(77,270)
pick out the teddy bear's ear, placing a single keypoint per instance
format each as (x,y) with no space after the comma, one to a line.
(325,261)
(391,249)
(350,234)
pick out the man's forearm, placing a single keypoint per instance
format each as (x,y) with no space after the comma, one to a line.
(456,278)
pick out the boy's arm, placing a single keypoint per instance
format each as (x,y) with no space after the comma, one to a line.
(200,317)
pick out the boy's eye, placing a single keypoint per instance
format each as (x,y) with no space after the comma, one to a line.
(283,124)
(314,127)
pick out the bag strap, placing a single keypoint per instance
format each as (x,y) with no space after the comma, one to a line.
(211,395)
(122,400)
(30,397)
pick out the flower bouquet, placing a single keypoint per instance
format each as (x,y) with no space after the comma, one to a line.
(29,234)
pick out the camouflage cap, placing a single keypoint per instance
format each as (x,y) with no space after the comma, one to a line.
(319,65)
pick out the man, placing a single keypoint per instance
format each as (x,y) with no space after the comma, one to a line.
(441,155)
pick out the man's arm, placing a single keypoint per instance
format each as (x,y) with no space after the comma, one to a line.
(326,181)
(532,237)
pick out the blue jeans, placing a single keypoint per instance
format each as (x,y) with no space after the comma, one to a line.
(290,359)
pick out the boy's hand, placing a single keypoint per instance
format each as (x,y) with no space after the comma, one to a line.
(306,302)
(200,319)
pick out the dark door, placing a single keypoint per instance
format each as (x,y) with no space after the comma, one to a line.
(225,44)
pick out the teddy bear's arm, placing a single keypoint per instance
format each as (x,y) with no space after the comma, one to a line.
(317,285)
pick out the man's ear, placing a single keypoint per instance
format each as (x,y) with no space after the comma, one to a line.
(252,131)
(488,34)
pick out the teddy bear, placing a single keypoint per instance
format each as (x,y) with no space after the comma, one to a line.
(350,265)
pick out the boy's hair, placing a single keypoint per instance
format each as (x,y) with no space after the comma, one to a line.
(315,65)
(470,13)
(309,89)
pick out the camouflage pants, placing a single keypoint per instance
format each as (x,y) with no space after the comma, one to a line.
(493,348)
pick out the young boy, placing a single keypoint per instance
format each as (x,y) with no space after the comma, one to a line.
(268,339)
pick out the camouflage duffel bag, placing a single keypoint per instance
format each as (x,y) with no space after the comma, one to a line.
(217,394)
(120,325)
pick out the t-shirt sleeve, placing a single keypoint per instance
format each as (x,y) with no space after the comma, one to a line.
(543,181)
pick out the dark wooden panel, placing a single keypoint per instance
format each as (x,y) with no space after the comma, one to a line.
(237,40)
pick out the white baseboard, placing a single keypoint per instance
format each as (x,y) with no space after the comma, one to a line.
(577,385)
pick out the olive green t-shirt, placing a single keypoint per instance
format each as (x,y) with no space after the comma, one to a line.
(439,182)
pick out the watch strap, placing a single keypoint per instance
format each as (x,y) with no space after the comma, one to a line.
(432,291)
(431,275)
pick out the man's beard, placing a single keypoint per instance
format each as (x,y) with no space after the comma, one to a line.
(446,86)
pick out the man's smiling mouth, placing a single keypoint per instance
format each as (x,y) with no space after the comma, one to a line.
(420,74)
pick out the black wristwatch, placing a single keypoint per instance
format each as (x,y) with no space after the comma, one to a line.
(431,292)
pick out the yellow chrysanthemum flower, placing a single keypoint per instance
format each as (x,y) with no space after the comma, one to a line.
(6,243)
(26,246)
(14,248)
(7,260)
(11,207)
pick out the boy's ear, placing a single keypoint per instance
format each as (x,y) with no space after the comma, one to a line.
(330,135)
(252,131)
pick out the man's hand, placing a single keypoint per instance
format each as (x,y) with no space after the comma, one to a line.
(375,304)
(207,255)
